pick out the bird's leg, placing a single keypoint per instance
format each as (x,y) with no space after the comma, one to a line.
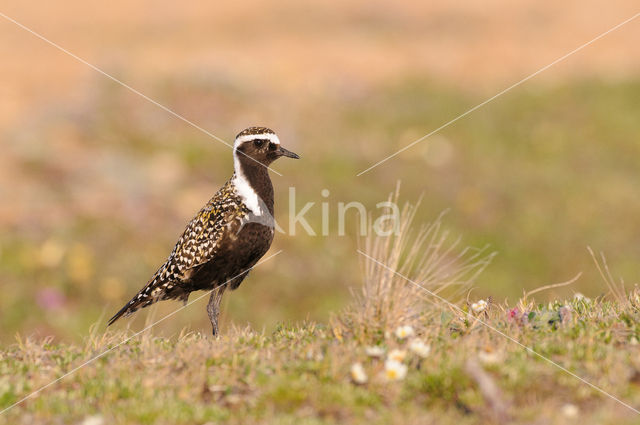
(213,308)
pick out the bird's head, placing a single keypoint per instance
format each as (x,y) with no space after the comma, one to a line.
(259,144)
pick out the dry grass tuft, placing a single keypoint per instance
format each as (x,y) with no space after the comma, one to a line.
(427,256)
(616,289)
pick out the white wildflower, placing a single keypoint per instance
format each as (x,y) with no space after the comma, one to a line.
(93,420)
(570,410)
(374,351)
(397,355)
(394,370)
(419,347)
(358,374)
(479,307)
(403,332)
(580,297)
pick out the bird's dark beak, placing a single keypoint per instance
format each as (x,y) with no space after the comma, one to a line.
(283,152)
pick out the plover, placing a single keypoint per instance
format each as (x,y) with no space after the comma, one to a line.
(227,237)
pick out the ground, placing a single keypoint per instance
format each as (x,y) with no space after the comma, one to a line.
(94,172)
(301,373)
(406,349)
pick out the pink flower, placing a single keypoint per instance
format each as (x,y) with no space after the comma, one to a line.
(50,298)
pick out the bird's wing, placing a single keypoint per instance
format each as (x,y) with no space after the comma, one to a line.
(197,245)
(201,240)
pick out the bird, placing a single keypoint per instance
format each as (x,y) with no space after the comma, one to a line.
(227,237)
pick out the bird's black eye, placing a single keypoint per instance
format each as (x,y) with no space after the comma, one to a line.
(258,143)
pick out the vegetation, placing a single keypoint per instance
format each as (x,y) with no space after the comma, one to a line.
(538,176)
(390,357)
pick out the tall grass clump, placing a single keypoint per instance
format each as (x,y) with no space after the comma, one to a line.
(403,271)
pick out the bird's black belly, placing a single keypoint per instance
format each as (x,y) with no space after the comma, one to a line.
(238,253)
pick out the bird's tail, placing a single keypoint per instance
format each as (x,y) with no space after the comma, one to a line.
(156,290)
(145,297)
(136,303)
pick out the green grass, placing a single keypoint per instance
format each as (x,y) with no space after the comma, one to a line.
(301,373)
(538,174)
(453,363)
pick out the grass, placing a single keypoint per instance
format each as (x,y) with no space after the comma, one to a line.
(427,255)
(538,176)
(302,373)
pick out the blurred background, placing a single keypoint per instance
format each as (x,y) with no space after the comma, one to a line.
(96,183)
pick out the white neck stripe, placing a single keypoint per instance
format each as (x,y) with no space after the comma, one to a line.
(243,187)
(247,137)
